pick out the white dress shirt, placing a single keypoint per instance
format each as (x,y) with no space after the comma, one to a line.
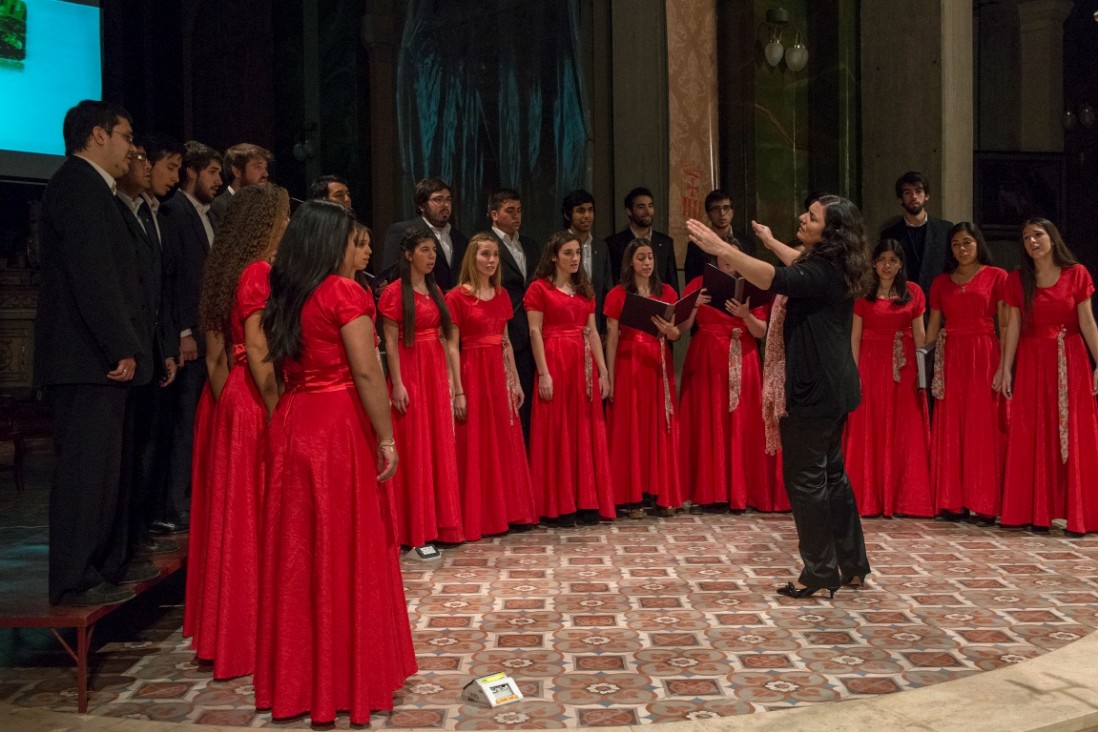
(203,214)
(587,254)
(107,177)
(444,240)
(515,247)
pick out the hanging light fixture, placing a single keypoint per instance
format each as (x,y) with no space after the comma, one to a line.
(796,56)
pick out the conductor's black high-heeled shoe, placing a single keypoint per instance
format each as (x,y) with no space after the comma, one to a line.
(855,581)
(791,590)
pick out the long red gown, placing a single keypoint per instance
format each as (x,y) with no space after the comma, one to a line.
(200,512)
(333,623)
(1039,484)
(494,474)
(429,505)
(723,449)
(968,439)
(569,460)
(887,440)
(236,475)
(642,424)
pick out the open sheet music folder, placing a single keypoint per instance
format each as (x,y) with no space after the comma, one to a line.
(638,310)
(723,287)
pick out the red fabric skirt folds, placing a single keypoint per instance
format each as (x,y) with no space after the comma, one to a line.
(236,479)
(197,536)
(426,481)
(887,441)
(495,478)
(723,452)
(1038,485)
(333,624)
(644,439)
(970,428)
(569,459)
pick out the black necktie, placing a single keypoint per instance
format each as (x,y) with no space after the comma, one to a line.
(145,215)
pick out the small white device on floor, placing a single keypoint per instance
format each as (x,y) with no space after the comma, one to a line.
(492,691)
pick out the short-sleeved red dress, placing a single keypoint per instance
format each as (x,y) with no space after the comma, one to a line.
(494,474)
(887,442)
(569,461)
(968,439)
(333,632)
(723,445)
(236,479)
(642,419)
(1052,446)
(429,500)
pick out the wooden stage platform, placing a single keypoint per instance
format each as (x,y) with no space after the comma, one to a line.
(24,601)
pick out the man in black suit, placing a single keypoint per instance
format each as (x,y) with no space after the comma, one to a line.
(434,205)
(92,341)
(640,207)
(578,213)
(246,165)
(719,209)
(923,237)
(519,258)
(331,188)
(188,236)
(138,189)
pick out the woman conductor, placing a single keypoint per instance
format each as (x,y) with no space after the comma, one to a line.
(821,382)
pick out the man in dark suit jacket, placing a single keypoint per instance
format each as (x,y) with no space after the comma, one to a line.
(519,258)
(640,207)
(92,341)
(246,165)
(434,206)
(188,236)
(578,213)
(719,209)
(923,237)
(139,189)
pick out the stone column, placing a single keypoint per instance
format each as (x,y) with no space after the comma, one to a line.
(692,112)
(917,67)
(1041,28)
(958,54)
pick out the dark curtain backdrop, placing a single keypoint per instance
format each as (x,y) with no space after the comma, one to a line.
(489,95)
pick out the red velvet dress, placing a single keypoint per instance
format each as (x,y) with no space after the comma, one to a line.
(494,474)
(642,423)
(968,440)
(887,440)
(723,447)
(569,461)
(200,512)
(429,505)
(1052,446)
(236,475)
(333,623)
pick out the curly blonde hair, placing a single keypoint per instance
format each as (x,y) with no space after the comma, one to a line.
(250,231)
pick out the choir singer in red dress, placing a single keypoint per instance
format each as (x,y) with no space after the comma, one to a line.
(494,474)
(333,623)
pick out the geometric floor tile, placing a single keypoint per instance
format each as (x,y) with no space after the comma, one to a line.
(631,622)
(639,622)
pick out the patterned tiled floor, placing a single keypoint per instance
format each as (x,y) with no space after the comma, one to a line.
(639,622)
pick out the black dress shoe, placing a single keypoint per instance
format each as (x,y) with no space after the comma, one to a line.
(157,546)
(588,516)
(857,581)
(567,521)
(139,572)
(167,528)
(101,594)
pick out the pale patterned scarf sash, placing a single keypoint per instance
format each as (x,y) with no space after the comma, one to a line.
(773,391)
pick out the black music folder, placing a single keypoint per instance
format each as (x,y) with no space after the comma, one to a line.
(723,287)
(638,311)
